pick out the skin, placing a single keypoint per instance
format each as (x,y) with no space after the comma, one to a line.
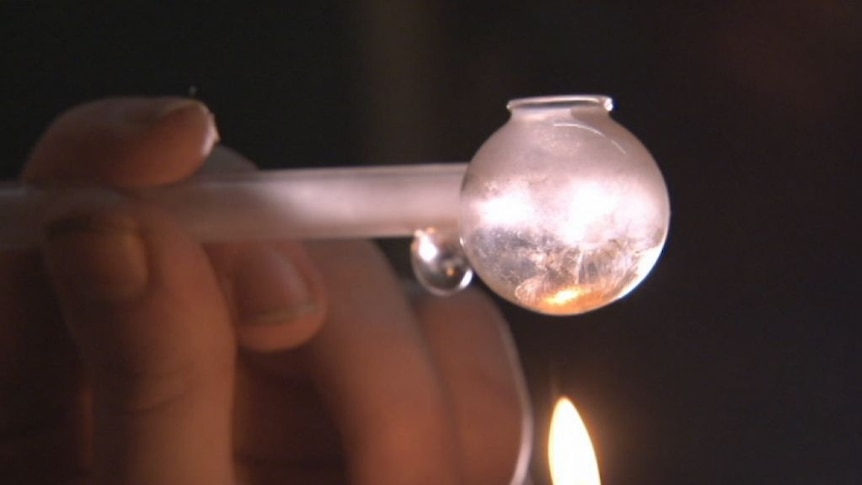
(130,353)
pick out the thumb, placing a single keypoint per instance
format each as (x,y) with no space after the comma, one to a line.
(145,308)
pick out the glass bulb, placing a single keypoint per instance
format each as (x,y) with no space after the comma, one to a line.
(563,210)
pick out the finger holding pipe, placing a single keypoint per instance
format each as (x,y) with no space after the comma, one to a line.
(479,366)
(124,142)
(138,295)
(374,372)
(275,292)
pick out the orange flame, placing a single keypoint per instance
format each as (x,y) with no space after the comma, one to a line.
(570,451)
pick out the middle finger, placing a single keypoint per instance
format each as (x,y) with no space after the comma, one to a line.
(376,374)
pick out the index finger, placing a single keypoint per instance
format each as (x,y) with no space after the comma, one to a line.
(121,142)
(125,142)
(41,406)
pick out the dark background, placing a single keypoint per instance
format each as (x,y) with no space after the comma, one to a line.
(738,360)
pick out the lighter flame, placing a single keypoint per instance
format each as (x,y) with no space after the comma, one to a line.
(570,452)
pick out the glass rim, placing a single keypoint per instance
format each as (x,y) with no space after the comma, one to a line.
(562,101)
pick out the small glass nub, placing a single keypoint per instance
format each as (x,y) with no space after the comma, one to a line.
(438,261)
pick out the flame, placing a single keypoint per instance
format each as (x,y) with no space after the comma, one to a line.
(570,452)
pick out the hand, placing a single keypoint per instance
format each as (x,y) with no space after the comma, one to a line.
(130,353)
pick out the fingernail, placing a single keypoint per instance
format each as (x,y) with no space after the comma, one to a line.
(146,112)
(171,105)
(193,107)
(164,109)
(223,160)
(268,289)
(97,256)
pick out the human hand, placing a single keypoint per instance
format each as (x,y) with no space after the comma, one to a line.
(130,353)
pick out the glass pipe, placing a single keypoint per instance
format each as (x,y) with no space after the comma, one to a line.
(561,211)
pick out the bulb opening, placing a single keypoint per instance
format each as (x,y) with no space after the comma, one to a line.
(562,101)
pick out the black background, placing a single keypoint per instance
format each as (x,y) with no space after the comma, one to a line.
(738,360)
